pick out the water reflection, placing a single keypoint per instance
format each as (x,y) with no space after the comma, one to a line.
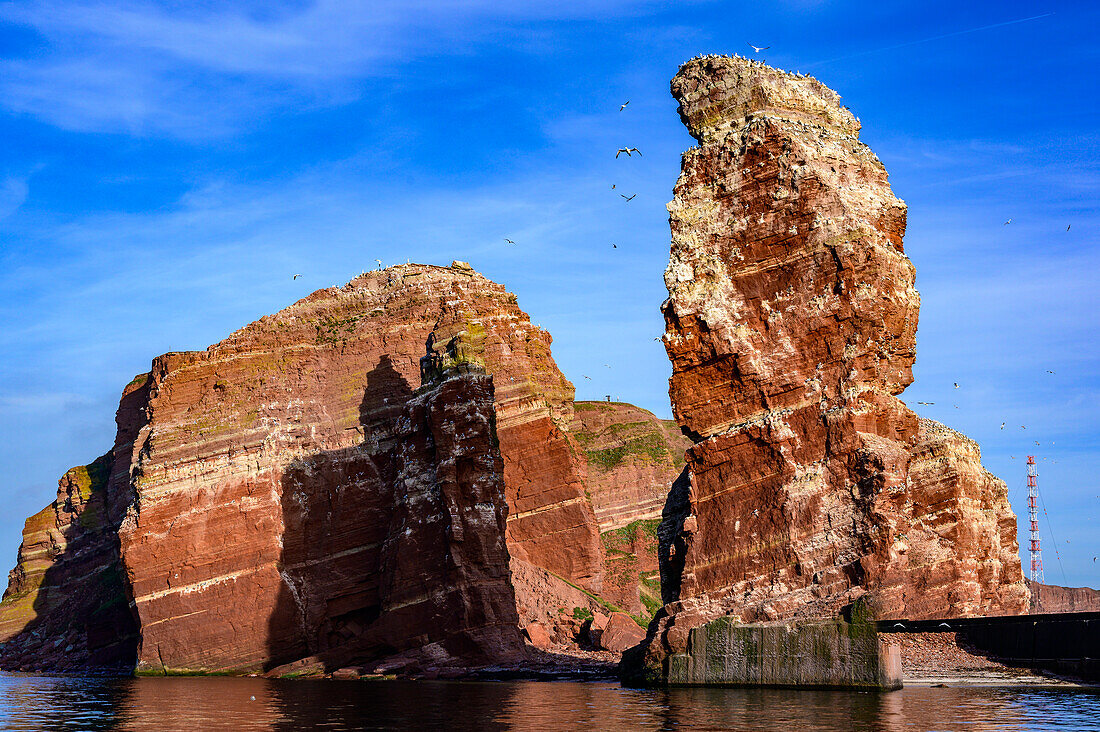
(198,704)
(50,703)
(38,703)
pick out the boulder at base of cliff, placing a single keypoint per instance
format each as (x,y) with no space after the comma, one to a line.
(538,635)
(621,633)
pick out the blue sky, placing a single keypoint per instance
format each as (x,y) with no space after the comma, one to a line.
(166,168)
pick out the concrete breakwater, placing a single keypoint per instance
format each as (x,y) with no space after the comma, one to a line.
(805,654)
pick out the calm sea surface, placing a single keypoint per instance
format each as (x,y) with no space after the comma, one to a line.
(45,703)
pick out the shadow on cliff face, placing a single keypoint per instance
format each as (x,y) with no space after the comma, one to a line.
(671,545)
(337,508)
(78,616)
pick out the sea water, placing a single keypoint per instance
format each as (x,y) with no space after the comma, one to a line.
(165,704)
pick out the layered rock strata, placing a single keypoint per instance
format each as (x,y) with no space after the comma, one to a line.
(259,458)
(631,457)
(291,422)
(955,547)
(437,577)
(791,323)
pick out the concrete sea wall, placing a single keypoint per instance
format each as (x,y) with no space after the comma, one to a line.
(821,654)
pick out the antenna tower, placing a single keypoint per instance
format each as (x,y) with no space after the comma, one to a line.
(1033,517)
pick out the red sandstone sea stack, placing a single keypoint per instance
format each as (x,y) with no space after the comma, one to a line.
(791,323)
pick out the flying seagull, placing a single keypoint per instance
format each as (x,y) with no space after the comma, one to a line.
(631,198)
(956,384)
(587,377)
(1050,372)
(1023,427)
(1002,425)
(758,49)
(379,263)
(926,403)
(614,246)
(509,241)
(624,105)
(612,186)
(628,150)
(1067,227)
(1007,222)
(295,276)
(944,625)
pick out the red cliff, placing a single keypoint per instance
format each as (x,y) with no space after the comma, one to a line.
(253,510)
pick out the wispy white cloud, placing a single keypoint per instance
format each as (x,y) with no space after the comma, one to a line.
(232,247)
(13,192)
(148,69)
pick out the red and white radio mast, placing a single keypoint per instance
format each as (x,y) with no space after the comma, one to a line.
(1033,516)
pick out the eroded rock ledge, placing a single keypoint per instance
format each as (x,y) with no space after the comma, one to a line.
(791,323)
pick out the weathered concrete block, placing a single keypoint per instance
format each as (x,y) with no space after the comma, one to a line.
(826,653)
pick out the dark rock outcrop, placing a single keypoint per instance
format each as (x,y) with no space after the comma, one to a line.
(67,604)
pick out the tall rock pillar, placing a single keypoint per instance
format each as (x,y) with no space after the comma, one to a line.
(791,326)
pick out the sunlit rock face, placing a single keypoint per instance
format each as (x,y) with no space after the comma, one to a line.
(294,422)
(791,324)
